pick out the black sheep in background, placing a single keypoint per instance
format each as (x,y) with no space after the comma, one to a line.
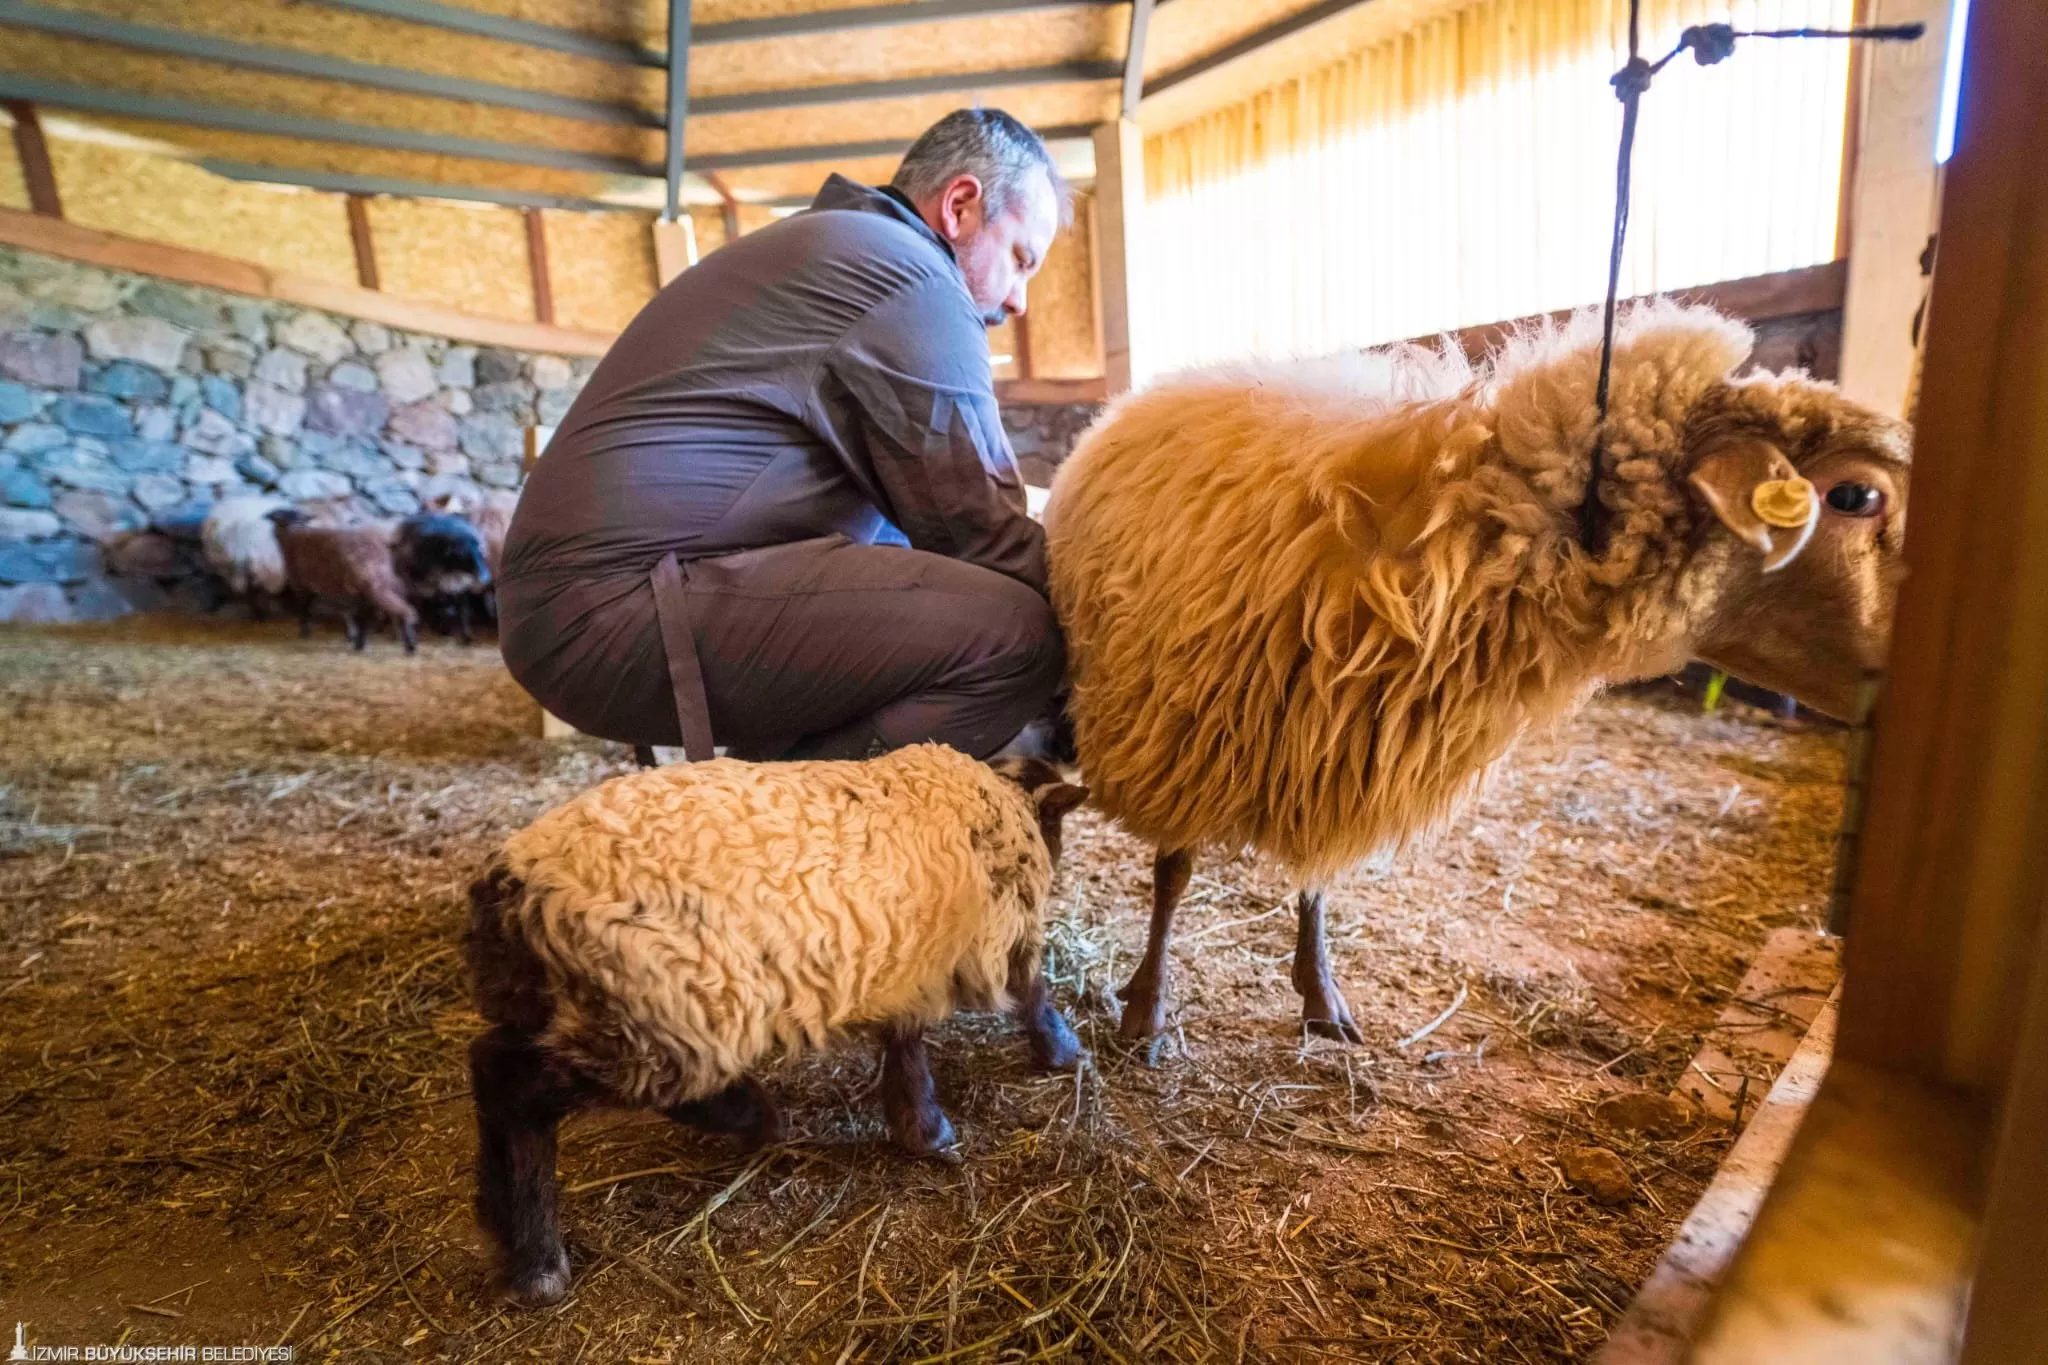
(440,558)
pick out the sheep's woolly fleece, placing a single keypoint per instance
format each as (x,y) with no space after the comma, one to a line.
(1307,605)
(696,919)
(240,544)
(347,562)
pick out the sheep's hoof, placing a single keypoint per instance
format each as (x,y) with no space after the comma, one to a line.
(1144,1014)
(929,1134)
(539,1286)
(1325,1014)
(1053,1044)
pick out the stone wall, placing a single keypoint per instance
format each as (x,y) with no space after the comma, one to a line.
(129,404)
(1043,434)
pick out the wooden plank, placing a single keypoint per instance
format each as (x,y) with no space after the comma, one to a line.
(1093,390)
(1119,196)
(1134,58)
(34,154)
(675,248)
(1953,862)
(537,265)
(115,252)
(1861,1250)
(1758,298)
(359,238)
(1663,1318)
(1762,1024)
(1891,199)
(1020,326)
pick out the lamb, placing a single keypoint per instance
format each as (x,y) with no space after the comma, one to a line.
(653,941)
(440,559)
(490,511)
(239,543)
(1308,607)
(352,563)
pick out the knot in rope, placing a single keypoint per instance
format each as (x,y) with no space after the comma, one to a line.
(1710,43)
(1632,80)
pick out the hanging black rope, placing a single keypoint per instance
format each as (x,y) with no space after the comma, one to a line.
(1708,43)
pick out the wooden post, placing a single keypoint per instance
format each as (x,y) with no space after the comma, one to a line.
(537,262)
(728,207)
(34,153)
(1891,198)
(1119,199)
(359,237)
(675,248)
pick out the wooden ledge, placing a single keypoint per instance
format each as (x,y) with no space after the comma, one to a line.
(54,237)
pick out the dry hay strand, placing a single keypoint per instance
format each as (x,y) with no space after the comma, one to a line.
(232,870)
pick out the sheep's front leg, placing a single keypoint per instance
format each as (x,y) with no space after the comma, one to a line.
(744,1109)
(1323,1009)
(910,1100)
(1145,994)
(1053,1044)
(520,1099)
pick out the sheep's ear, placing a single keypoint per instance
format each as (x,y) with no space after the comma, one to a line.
(1758,495)
(1056,800)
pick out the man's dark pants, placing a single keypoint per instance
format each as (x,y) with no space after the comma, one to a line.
(818,649)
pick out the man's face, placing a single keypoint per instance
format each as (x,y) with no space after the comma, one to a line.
(998,255)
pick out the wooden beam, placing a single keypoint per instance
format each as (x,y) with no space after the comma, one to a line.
(1890,199)
(1050,391)
(678,102)
(1953,867)
(115,252)
(1119,197)
(537,264)
(1250,43)
(34,154)
(728,205)
(359,237)
(877,16)
(1759,298)
(1134,57)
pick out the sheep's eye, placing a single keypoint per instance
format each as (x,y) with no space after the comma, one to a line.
(1855,499)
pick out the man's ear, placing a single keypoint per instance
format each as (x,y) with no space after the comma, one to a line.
(1056,800)
(961,195)
(1757,494)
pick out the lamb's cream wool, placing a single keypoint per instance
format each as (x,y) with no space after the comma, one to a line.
(240,544)
(695,919)
(1308,606)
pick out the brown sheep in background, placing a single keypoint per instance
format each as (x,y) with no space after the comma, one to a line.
(349,563)
(1309,606)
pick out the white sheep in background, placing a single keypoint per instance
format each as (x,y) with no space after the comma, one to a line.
(653,941)
(239,542)
(1309,606)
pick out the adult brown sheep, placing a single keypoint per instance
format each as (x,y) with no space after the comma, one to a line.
(1308,606)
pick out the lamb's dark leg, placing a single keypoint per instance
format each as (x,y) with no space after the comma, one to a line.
(409,635)
(520,1098)
(909,1099)
(305,604)
(1323,1009)
(259,605)
(744,1109)
(1053,1044)
(462,617)
(1145,994)
(358,625)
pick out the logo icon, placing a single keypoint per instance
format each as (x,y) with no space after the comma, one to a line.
(20,1351)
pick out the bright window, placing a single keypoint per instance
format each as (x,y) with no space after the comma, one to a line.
(1463,173)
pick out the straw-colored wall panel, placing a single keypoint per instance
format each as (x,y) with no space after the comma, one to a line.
(905,118)
(151,74)
(804,178)
(1062,316)
(382,41)
(13,188)
(467,256)
(1002,342)
(1182,32)
(600,267)
(1038,38)
(163,200)
(330,156)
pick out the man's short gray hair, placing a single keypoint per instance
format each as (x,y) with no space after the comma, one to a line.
(989,145)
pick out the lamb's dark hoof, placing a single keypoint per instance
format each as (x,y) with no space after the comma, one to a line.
(1144,1013)
(929,1134)
(537,1287)
(1053,1044)
(745,1109)
(1325,1014)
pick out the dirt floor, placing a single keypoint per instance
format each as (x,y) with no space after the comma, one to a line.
(232,1084)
